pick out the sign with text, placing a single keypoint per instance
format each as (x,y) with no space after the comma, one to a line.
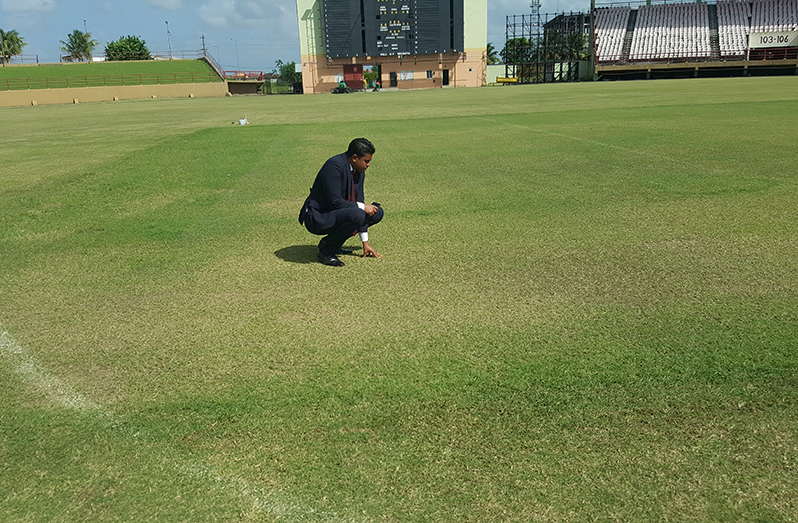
(776,39)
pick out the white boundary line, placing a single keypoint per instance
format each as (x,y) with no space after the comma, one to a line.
(59,393)
(32,374)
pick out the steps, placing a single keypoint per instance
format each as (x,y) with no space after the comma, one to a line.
(630,31)
(714,39)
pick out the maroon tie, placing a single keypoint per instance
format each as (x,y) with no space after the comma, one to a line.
(352,194)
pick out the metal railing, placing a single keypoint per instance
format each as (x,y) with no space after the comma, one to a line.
(773,53)
(20,59)
(157,55)
(724,55)
(245,76)
(211,60)
(67,82)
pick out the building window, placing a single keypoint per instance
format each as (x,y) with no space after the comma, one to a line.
(429,75)
(405,75)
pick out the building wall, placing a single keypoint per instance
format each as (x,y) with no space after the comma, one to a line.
(108,94)
(495,71)
(467,69)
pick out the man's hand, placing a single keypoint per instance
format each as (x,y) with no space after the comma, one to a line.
(370,209)
(368,250)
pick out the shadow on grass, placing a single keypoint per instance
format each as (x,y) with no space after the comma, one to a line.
(301,253)
(298,253)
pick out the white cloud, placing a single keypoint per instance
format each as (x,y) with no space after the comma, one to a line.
(233,14)
(21,6)
(166,4)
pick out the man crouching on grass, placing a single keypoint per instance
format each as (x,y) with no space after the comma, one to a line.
(335,208)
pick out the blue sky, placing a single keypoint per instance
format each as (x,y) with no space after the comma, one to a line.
(241,34)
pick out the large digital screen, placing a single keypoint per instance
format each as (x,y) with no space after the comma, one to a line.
(392,27)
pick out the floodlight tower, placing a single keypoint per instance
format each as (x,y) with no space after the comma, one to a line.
(169,38)
(535,24)
(534,28)
(535,7)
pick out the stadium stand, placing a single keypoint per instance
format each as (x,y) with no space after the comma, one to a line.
(773,15)
(671,31)
(688,31)
(611,23)
(733,28)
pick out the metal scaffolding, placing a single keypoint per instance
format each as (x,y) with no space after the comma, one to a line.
(548,48)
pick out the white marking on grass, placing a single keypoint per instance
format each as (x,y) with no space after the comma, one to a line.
(274,503)
(636,150)
(33,375)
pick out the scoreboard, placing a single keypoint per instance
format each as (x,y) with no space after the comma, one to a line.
(395,36)
(355,28)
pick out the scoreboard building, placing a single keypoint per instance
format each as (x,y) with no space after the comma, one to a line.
(412,44)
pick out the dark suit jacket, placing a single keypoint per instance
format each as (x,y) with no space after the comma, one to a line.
(331,191)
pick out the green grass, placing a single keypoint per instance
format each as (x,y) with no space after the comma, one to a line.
(585,309)
(61,76)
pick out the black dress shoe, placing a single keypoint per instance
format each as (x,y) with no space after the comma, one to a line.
(344,251)
(330,259)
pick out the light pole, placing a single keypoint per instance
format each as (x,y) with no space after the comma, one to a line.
(86,33)
(238,64)
(169,39)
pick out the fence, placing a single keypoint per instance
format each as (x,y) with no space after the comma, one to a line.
(21,59)
(160,55)
(279,88)
(271,84)
(245,76)
(66,82)
(774,54)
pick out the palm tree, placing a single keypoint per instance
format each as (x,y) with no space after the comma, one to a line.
(11,44)
(518,51)
(492,55)
(79,46)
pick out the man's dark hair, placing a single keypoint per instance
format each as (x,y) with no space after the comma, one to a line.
(360,147)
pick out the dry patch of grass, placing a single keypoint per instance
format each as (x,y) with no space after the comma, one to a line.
(585,309)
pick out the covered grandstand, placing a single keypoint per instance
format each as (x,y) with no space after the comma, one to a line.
(726,38)
(636,40)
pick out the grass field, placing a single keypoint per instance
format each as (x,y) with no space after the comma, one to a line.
(60,76)
(586,308)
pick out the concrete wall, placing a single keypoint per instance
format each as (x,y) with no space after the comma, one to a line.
(495,71)
(467,69)
(107,94)
(318,76)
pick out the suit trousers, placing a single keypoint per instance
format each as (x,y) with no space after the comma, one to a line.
(347,222)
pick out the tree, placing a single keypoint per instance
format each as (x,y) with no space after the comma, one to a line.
(580,46)
(371,76)
(287,72)
(127,48)
(491,55)
(566,47)
(11,44)
(79,46)
(518,51)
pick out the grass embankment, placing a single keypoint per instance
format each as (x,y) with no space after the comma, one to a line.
(150,72)
(585,309)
